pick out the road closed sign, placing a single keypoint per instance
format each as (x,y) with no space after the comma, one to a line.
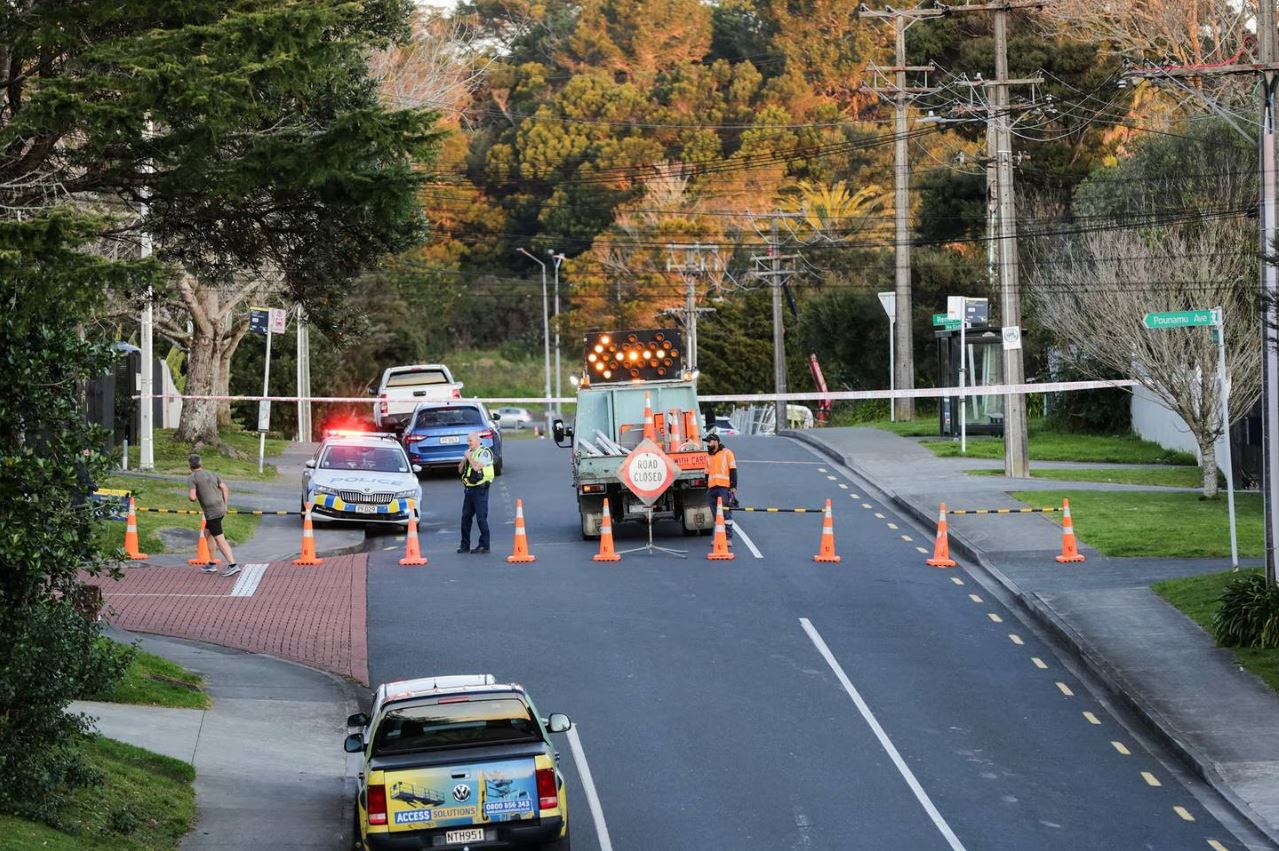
(648,471)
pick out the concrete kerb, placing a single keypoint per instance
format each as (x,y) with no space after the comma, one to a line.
(1043,615)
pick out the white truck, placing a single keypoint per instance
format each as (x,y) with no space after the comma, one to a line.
(403,387)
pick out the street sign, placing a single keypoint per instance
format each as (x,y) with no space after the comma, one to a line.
(977,311)
(940,319)
(889,301)
(950,324)
(1012,337)
(263,319)
(1179,319)
(648,471)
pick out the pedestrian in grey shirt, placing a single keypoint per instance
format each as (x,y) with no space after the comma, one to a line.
(213,495)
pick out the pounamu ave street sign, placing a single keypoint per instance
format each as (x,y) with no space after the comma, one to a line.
(1179,319)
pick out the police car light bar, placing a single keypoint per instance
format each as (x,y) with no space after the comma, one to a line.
(622,356)
(352,432)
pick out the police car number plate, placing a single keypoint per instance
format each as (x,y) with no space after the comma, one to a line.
(475,834)
(452,439)
(366,509)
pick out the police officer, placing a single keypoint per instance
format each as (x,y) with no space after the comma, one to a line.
(476,468)
(721,478)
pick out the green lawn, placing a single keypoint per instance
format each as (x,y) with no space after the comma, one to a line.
(1147,523)
(154,681)
(146,803)
(1198,597)
(156,493)
(918,427)
(171,455)
(1061,446)
(1171,477)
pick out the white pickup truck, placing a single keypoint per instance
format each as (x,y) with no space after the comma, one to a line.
(403,387)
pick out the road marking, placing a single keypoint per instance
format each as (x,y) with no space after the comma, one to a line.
(746,539)
(1015,638)
(1216,846)
(765,461)
(974,598)
(392,547)
(925,552)
(878,516)
(954,579)
(1092,719)
(1184,813)
(994,617)
(867,505)
(892,526)
(907,538)
(885,742)
(1151,780)
(822,470)
(1065,689)
(844,486)
(832,478)
(1122,748)
(855,495)
(1039,663)
(588,786)
(248,581)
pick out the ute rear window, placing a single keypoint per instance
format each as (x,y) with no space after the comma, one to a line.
(495,721)
(416,378)
(452,416)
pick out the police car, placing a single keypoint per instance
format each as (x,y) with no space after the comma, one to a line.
(361,477)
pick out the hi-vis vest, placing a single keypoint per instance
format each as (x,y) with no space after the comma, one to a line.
(717,467)
(473,478)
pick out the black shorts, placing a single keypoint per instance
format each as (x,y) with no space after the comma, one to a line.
(215,527)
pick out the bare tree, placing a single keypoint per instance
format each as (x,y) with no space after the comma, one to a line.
(1188,32)
(1094,289)
(439,68)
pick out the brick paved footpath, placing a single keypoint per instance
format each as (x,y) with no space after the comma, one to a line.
(313,615)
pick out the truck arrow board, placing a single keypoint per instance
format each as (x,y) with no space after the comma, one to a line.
(648,471)
(1179,319)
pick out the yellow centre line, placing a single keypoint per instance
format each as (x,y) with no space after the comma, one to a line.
(1151,780)
(994,617)
(1015,638)
(1039,663)
(1122,748)
(1092,719)
(1065,689)
(1184,813)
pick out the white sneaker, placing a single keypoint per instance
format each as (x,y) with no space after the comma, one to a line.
(209,568)
(231,570)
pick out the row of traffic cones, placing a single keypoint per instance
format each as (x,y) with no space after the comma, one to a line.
(1069,546)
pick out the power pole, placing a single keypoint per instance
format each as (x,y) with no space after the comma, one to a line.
(559,373)
(769,268)
(304,378)
(691,268)
(146,411)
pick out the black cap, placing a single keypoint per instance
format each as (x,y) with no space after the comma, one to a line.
(713,436)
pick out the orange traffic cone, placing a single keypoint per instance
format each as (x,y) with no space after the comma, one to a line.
(650,431)
(520,555)
(673,417)
(308,556)
(1069,548)
(412,547)
(131,535)
(606,553)
(203,556)
(941,549)
(719,544)
(827,551)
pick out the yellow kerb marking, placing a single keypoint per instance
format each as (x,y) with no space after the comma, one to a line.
(1039,663)
(1184,813)
(1065,689)
(974,598)
(1122,748)
(1092,719)
(1151,780)
(994,617)
(1015,638)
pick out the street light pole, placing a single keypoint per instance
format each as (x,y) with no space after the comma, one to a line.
(546,335)
(559,375)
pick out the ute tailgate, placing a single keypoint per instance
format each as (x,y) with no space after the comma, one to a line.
(461,794)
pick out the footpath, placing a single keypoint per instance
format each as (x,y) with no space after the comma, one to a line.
(1220,720)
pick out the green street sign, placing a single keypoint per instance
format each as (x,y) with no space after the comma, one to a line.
(940,319)
(1179,319)
(951,324)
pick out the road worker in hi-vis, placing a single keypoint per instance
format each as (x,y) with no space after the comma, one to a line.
(721,479)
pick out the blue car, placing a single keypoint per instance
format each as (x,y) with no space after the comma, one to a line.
(436,433)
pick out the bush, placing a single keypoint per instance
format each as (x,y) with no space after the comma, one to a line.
(1089,411)
(1249,613)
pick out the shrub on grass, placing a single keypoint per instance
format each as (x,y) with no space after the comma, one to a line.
(1249,613)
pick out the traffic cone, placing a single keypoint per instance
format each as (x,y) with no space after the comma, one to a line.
(308,556)
(203,556)
(606,553)
(827,551)
(650,431)
(131,535)
(520,555)
(941,549)
(1069,548)
(673,418)
(719,544)
(412,547)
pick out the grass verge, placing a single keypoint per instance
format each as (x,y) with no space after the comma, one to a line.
(155,493)
(171,455)
(146,803)
(1157,524)
(1199,597)
(926,427)
(151,680)
(1168,477)
(1061,446)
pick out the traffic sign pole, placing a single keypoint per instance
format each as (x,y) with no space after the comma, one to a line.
(1219,318)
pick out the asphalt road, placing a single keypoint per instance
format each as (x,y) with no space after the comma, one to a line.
(775,703)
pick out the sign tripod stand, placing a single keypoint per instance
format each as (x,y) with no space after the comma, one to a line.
(650,546)
(648,472)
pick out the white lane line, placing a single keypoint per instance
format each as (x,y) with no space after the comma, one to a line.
(844,486)
(821,469)
(832,478)
(746,539)
(588,786)
(248,581)
(765,461)
(885,742)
